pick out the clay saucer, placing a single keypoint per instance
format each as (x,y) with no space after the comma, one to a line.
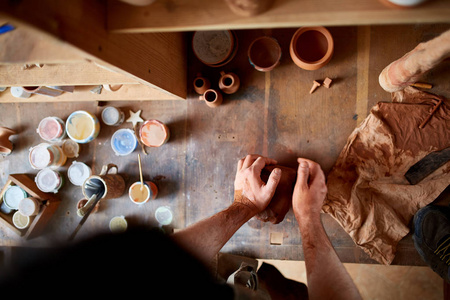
(213,47)
(311,48)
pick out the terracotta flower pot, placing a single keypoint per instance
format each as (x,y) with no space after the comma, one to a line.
(6,146)
(264,53)
(212,98)
(229,82)
(311,48)
(201,84)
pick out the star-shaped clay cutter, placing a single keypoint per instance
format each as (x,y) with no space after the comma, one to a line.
(135,118)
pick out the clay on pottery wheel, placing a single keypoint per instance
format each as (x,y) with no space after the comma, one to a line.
(282,200)
(249,8)
(311,48)
(5,144)
(229,82)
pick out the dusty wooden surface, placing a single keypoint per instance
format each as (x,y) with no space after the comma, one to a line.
(273,114)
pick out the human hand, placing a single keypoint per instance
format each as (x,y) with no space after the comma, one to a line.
(249,189)
(310,189)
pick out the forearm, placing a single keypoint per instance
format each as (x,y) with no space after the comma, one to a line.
(205,238)
(326,275)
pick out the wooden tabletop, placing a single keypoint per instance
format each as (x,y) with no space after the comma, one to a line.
(272,114)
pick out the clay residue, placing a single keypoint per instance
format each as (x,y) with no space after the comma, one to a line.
(367,191)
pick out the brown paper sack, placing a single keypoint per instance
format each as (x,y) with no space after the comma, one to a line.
(367,191)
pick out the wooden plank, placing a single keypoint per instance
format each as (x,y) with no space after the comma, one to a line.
(131,92)
(180,15)
(154,59)
(79,73)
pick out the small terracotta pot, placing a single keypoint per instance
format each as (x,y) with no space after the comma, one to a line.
(229,82)
(6,146)
(212,98)
(264,53)
(311,48)
(247,8)
(201,84)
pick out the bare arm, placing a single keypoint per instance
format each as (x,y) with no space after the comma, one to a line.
(205,238)
(326,275)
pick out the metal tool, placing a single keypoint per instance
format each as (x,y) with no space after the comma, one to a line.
(86,215)
(427,165)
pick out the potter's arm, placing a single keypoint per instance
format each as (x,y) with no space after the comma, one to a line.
(409,68)
(205,238)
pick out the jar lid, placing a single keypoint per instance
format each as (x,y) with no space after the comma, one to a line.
(13,195)
(48,180)
(40,156)
(78,172)
(118,224)
(110,115)
(20,221)
(29,206)
(163,215)
(70,148)
(50,129)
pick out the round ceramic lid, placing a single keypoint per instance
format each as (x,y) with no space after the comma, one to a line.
(50,129)
(13,195)
(78,173)
(110,115)
(40,156)
(123,141)
(70,148)
(212,47)
(47,180)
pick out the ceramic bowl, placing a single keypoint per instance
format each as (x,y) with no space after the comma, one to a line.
(311,48)
(264,53)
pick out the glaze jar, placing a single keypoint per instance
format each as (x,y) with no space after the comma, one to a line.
(154,133)
(212,98)
(148,192)
(51,129)
(264,53)
(49,181)
(29,206)
(229,82)
(82,126)
(311,48)
(46,155)
(123,142)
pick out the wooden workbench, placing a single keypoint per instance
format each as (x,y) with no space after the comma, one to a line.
(272,114)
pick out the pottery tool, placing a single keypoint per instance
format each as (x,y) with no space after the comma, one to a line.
(140,172)
(439,102)
(314,87)
(427,165)
(92,202)
(327,82)
(421,85)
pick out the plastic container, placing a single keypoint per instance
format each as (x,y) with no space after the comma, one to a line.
(112,116)
(70,148)
(20,221)
(164,215)
(118,224)
(138,196)
(49,181)
(124,142)
(29,206)
(13,195)
(82,126)
(154,133)
(51,129)
(46,156)
(78,172)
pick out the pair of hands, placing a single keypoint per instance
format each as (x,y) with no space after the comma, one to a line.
(309,192)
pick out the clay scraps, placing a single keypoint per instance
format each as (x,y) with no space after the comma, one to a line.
(367,191)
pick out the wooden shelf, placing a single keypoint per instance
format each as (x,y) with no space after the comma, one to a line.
(79,73)
(130,92)
(193,15)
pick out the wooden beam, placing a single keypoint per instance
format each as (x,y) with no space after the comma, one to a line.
(182,15)
(154,59)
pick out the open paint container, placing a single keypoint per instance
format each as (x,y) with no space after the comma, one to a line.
(82,126)
(154,133)
(46,156)
(141,196)
(123,142)
(13,195)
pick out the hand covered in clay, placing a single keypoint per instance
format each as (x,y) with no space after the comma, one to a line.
(249,189)
(310,189)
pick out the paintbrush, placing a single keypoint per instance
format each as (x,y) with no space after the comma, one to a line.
(140,172)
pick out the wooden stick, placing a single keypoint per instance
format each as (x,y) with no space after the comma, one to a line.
(140,172)
(422,85)
(431,114)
